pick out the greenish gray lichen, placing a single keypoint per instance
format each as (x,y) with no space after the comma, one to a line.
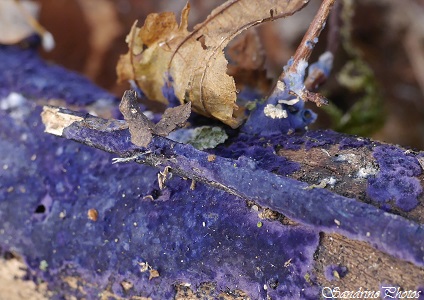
(207,137)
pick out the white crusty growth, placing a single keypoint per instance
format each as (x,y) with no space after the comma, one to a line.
(275,111)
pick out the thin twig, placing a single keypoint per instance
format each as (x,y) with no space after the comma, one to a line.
(307,44)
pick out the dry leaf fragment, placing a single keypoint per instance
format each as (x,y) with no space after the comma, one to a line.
(153,274)
(195,60)
(141,128)
(172,118)
(247,62)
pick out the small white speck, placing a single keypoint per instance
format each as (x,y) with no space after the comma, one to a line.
(12,101)
(368,233)
(289,102)
(5,167)
(265,287)
(204,224)
(366,172)
(331,181)
(135,224)
(62,214)
(326,152)
(123,195)
(133,111)
(34,157)
(337,222)
(48,41)
(116,240)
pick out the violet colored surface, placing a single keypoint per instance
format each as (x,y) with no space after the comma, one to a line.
(24,71)
(397,179)
(188,236)
(47,185)
(318,208)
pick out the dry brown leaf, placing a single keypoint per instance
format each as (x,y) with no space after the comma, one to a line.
(247,62)
(246,51)
(195,60)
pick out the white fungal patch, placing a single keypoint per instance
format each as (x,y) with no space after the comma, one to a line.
(368,170)
(301,67)
(275,111)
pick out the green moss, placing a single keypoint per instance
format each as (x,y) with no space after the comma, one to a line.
(366,115)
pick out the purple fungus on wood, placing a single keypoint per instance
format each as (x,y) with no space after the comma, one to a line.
(319,208)
(155,231)
(187,236)
(397,179)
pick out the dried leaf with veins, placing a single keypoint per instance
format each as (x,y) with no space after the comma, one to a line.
(247,62)
(195,60)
